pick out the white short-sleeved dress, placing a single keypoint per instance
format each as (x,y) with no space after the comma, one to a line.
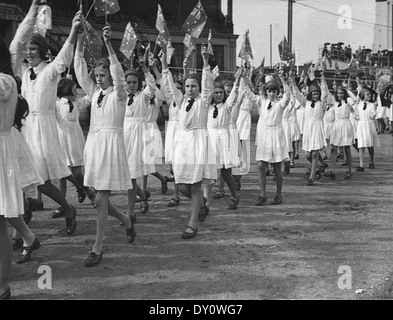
(342,130)
(106,166)
(293,123)
(328,121)
(170,130)
(11,197)
(71,136)
(287,128)
(139,148)
(366,132)
(155,139)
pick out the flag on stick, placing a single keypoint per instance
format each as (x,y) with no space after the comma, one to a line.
(161,25)
(105,7)
(284,50)
(245,50)
(129,40)
(260,69)
(44,20)
(209,45)
(196,21)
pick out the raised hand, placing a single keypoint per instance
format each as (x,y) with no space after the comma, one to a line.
(107,34)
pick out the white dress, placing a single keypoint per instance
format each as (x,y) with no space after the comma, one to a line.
(41,126)
(381,109)
(71,136)
(366,131)
(342,130)
(104,156)
(300,115)
(194,158)
(270,139)
(136,133)
(328,121)
(243,124)
(293,122)
(154,143)
(286,127)
(11,197)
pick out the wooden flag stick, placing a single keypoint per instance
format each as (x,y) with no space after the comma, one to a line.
(106,13)
(90,8)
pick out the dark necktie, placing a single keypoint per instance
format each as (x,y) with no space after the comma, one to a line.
(190,103)
(365,106)
(33,75)
(215,112)
(174,104)
(130,99)
(339,104)
(313,104)
(269,106)
(71,105)
(100,97)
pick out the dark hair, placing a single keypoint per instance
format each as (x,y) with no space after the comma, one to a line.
(311,89)
(372,92)
(42,45)
(5,58)
(136,73)
(225,94)
(64,87)
(21,112)
(346,95)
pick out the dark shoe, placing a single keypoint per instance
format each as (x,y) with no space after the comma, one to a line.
(371,165)
(6,295)
(344,164)
(233,203)
(310,182)
(26,252)
(267,172)
(291,165)
(71,222)
(318,174)
(260,201)
(174,202)
(164,187)
(17,243)
(276,200)
(131,234)
(147,194)
(58,213)
(204,211)
(35,204)
(170,179)
(238,184)
(359,169)
(296,156)
(286,168)
(308,172)
(81,194)
(330,174)
(347,175)
(189,235)
(144,206)
(93,259)
(219,194)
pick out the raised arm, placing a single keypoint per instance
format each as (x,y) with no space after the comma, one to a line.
(169,89)
(117,73)
(287,92)
(233,96)
(296,92)
(81,71)
(207,77)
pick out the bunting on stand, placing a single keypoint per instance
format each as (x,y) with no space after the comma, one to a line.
(44,20)
(129,40)
(196,21)
(245,52)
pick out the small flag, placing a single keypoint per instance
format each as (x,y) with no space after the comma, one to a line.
(209,45)
(44,20)
(245,50)
(92,36)
(170,50)
(260,69)
(104,7)
(284,50)
(216,72)
(129,40)
(161,26)
(196,21)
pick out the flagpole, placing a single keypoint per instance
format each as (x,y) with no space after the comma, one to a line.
(90,8)
(106,14)
(271,55)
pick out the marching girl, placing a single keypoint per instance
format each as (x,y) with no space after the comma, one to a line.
(366,131)
(193,161)
(105,158)
(288,136)
(313,132)
(295,130)
(136,133)
(386,99)
(271,142)
(342,133)
(381,110)
(71,138)
(300,117)
(173,98)
(226,152)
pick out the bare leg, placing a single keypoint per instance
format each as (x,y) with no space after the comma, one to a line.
(333,157)
(348,156)
(314,163)
(102,203)
(279,179)
(24,231)
(371,153)
(132,198)
(361,156)
(226,175)
(144,182)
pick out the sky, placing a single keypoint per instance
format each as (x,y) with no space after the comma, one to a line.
(350,21)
